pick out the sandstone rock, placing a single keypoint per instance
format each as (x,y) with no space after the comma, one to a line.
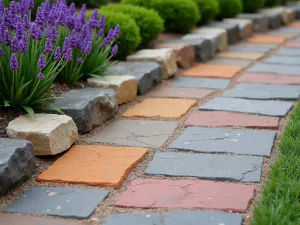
(165,57)
(88,107)
(291,14)
(245,26)
(260,21)
(17,163)
(125,86)
(50,134)
(273,16)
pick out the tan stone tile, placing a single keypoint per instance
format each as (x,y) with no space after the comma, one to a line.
(241,55)
(266,39)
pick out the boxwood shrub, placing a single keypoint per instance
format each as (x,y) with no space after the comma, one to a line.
(179,15)
(229,8)
(272,2)
(148,20)
(209,9)
(89,3)
(250,6)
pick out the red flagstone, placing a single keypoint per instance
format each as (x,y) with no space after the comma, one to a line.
(186,194)
(219,119)
(295,25)
(293,44)
(268,78)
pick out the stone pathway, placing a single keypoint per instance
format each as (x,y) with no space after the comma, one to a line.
(199,141)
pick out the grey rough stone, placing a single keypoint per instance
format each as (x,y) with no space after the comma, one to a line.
(276,69)
(203,48)
(274,19)
(17,163)
(206,166)
(285,60)
(260,107)
(295,7)
(148,74)
(233,31)
(88,107)
(215,39)
(260,22)
(221,140)
(234,62)
(209,83)
(77,203)
(252,48)
(140,133)
(293,52)
(263,91)
(178,217)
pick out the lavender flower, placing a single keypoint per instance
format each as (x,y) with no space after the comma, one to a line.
(13,8)
(101,32)
(104,43)
(35,32)
(57,54)
(88,48)
(94,19)
(102,22)
(110,35)
(40,17)
(48,46)
(1,7)
(31,4)
(116,31)
(2,53)
(14,64)
(40,76)
(68,55)
(79,60)
(114,50)
(83,14)
(42,62)
(7,37)
(73,39)
(22,46)
(72,8)
(77,23)
(66,45)
(20,29)
(15,44)
(26,22)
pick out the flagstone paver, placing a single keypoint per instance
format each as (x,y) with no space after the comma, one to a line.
(285,35)
(241,55)
(268,78)
(292,44)
(213,38)
(213,71)
(289,52)
(222,140)
(229,119)
(275,69)
(179,92)
(289,30)
(78,203)
(234,62)
(295,25)
(94,165)
(233,31)
(260,21)
(266,39)
(206,166)
(160,107)
(286,60)
(197,194)
(210,83)
(178,217)
(260,107)
(263,91)
(140,133)
(245,26)
(252,48)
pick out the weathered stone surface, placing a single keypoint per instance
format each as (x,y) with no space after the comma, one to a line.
(148,74)
(213,71)
(266,39)
(50,134)
(209,83)
(198,194)
(284,14)
(268,79)
(165,57)
(291,14)
(252,48)
(295,25)
(296,8)
(88,107)
(275,69)
(17,163)
(77,203)
(245,26)
(260,107)
(286,60)
(241,55)
(292,44)
(140,133)
(233,62)
(289,52)
(288,30)
(273,16)
(94,165)
(213,38)
(210,31)
(260,22)
(287,36)
(160,107)
(184,53)
(233,31)
(203,48)
(179,92)
(263,91)
(191,217)
(229,119)
(222,140)
(124,86)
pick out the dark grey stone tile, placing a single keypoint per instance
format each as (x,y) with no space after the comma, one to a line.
(252,48)
(215,39)
(209,83)
(289,52)
(285,60)
(276,69)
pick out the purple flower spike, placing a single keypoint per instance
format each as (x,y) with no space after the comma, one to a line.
(79,60)
(66,45)
(72,8)
(40,76)
(22,46)
(40,17)
(116,31)
(20,29)
(83,14)
(13,8)
(42,62)
(35,32)
(53,34)
(26,22)
(104,43)
(110,35)
(88,48)
(114,50)
(14,64)
(102,21)
(94,19)
(15,44)
(2,53)
(7,38)
(57,54)
(77,24)
(69,55)
(101,32)
(48,46)
(31,4)
(1,7)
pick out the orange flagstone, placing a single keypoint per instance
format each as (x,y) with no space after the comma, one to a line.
(94,165)
(161,107)
(295,25)
(266,39)
(241,55)
(214,71)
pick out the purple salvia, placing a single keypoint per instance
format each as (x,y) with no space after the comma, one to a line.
(57,54)
(42,62)
(88,48)
(2,53)
(40,17)
(79,60)
(15,44)
(40,76)
(66,45)
(116,31)
(48,46)
(14,64)
(94,19)
(83,14)
(68,55)
(102,21)
(72,8)
(26,22)
(114,50)
(7,37)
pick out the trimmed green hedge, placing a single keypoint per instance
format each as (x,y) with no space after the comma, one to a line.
(179,15)
(230,8)
(89,3)
(272,2)
(148,20)
(209,9)
(251,6)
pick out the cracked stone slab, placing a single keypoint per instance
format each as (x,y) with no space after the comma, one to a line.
(77,203)
(263,91)
(289,52)
(266,39)
(186,194)
(139,133)
(234,62)
(222,140)
(215,39)
(148,74)
(206,166)
(252,48)
(268,78)
(245,26)
(178,217)
(260,107)
(285,60)
(209,83)
(233,31)
(94,165)
(260,21)
(275,69)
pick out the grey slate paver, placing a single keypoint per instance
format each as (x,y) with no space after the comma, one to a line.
(252,48)
(260,21)
(263,91)
(148,74)
(276,69)
(289,30)
(233,30)
(293,52)
(140,133)
(233,62)
(178,217)
(209,83)
(77,203)
(215,39)
(285,60)
(206,166)
(260,107)
(220,140)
